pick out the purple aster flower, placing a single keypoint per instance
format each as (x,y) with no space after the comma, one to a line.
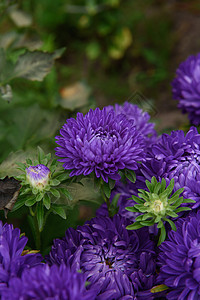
(104,250)
(100,141)
(177,156)
(186,87)
(179,259)
(38,176)
(44,282)
(140,118)
(12,262)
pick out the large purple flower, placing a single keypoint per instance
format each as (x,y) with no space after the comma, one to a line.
(177,156)
(12,262)
(100,142)
(44,282)
(186,87)
(179,259)
(140,119)
(109,254)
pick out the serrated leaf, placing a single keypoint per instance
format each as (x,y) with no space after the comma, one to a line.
(47,201)
(59,211)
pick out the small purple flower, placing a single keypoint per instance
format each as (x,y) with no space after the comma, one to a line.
(44,282)
(100,142)
(186,87)
(179,260)
(177,156)
(140,119)
(104,250)
(12,263)
(38,176)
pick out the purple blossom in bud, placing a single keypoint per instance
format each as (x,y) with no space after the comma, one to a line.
(44,282)
(177,156)
(186,87)
(38,176)
(113,259)
(12,262)
(140,119)
(100,142)
(179,260)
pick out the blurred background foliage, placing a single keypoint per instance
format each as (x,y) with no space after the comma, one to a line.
(111,51)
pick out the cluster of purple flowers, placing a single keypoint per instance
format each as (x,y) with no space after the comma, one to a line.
(102,259)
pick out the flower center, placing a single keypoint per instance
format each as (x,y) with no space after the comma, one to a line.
(157,206)
(109,263)
(103,134)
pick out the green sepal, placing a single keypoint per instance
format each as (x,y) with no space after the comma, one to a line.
(47,201)
(182,209)
(173,226)
(55,193)
(54,182)
(31,201)
(39,197)
(134,226)
(162,236)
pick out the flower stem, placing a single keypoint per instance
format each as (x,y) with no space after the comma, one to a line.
(35,228)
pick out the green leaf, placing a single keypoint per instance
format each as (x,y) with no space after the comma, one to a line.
(106,189)
(29,161)
(182,209)
(134,226)
(138,200)
(19,204)
(111,183)
(31,201)
(33,65)
(39,197)
(113,207)
(132,208)
(66,193)
(162,236)
(41,154)
(163,185)
(47,201)
(21,166)
(55,193)
(173,226)
(59,211)
(40,215)
(130,174)
(188,201)
(63,177)
(149,185)
(54,182)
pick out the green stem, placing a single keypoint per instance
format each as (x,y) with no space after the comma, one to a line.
(107,202)
(35,229)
